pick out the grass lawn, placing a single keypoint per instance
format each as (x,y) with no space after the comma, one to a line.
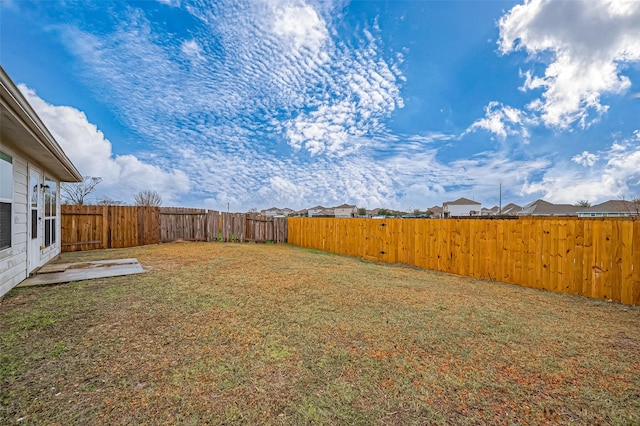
(273,334)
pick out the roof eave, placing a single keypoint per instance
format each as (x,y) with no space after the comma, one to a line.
(40,138)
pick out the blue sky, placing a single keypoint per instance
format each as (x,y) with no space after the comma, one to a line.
(294,103)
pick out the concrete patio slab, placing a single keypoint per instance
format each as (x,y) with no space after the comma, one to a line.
(66,272)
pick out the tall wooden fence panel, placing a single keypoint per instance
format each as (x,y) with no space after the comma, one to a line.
(84,227)
(598,258)
(232,227)
(148,225)
(265,229)
(177,223)
(101,227)
(203,225)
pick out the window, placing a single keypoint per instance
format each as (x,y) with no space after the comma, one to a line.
(6,199)
(50,211)
(34,188)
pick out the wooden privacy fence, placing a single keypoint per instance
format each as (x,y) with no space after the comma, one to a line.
(101,227)
(203,225)
(598,258)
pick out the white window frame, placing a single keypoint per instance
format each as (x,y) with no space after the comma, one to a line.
(6,158)
(50,212)
(8,181)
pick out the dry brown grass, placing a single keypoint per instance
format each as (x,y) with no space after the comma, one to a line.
(226,333)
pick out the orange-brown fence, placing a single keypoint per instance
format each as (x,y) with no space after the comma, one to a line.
(101,227)
(597,258)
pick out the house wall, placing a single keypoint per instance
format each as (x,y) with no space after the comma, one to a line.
(346,212)
(13,261)
(462,209)
(608,214)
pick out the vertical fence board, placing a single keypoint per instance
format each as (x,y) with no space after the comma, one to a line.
(567,251)
(626,282)
(578,263)
(614,280)
(635,280)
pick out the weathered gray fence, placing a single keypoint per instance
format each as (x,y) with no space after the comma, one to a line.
(177,223)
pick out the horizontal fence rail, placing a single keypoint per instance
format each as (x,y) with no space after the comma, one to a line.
(101,227)
(597,258)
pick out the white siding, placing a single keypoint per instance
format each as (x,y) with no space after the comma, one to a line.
(313,212)
(463,210)
(13,261)
(344,212)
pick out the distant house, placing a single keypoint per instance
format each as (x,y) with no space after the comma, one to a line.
(325,213)
(345,210)
(461,207)
(300,213)
(611,208)
(372,212)
(273,211)
(489,212)
(313,211)
(511,209)
(32,165)
(544,208)
(436,212)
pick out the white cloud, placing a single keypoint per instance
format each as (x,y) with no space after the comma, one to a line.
(279,65)
(586,159)
(301,26)
(616,178)
(502,121)
(590,41)
(568,188)
(192,50)
(366,91)
(91,152)
(172,3)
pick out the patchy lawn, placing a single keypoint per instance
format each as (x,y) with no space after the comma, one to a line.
(229,333)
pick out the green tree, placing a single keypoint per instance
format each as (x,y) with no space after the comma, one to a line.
(362,211)
(583,203)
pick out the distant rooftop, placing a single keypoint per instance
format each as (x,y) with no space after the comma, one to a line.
(460,202)
(545,208)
